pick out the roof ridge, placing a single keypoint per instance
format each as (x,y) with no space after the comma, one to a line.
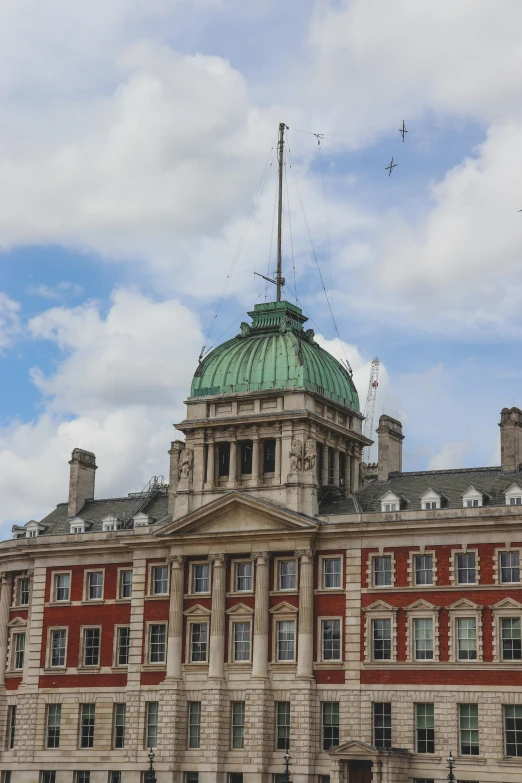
(488,468)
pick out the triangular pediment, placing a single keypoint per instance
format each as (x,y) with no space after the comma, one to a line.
(508,603)
(238,513)
(283,608)
(464,603)
(197,609)
(17,622)
(379,606)
(421,605)
(354,748)
(240,609)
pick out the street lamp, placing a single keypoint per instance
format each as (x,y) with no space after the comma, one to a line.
(451,764)
(150,775)
(286,774)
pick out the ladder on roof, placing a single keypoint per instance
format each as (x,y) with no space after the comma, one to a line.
(142,498)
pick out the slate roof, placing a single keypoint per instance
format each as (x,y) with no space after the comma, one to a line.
(451,483)
(95,510)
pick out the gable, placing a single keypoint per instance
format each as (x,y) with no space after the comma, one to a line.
(464,603)
(379,606)
(507,603)
(514,489)
(420,605)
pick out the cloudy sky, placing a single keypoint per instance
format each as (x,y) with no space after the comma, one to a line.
(133,140)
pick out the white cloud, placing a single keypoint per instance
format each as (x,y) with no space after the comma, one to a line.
(9,320)
(63,290)
(451,454)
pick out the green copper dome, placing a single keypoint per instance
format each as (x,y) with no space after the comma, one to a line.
(274,352)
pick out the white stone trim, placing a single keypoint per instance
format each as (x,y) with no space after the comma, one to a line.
(380,611)
(198,617)
(48,649)
(320,573)
(233,575)
(193,563)
(421,610)
(496,563)
(86,585)
(508,607)
(118,582)
(150,580)
(148,625)
(52,595)
(412,571)
(81,650)
(464,609)
(277,562)
(370,570)
(464,550)
(320,620)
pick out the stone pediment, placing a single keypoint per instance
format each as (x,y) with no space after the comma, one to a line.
(507,603)
(238,513)
(284,608)
(197,609)
(17,622)
(464,603)
(420,606)
(354,748)
(240,609)
(379,606)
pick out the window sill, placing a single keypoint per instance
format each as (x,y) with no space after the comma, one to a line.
(190,596)
(58,603)
(88,669)
(15,673)
(153,667)
(55,670)
(235,665)
(511,761)
(196,666)
(329,591)
(284,592)
(92,602)
(471,760)
(158,597)
(119,669)
(239,593)
(329,665)
(122,600)
(281,666)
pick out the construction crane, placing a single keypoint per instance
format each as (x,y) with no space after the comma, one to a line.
(369,408)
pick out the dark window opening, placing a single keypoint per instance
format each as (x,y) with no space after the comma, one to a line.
(223,459)
(342,468)
(246,458)
(331,466)
(269,449)
(320,462)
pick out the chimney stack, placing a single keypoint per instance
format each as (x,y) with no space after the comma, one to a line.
(510,439)
(389,447)
(81,480)
(176,448)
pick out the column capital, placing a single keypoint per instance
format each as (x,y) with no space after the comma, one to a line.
(176,561)
(6,576)
(305,554)
(264,556)
(219,559)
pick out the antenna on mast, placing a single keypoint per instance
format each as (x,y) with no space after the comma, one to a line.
(279,280)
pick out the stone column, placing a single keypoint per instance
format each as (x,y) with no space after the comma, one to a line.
(326,463)
(254,479)
(356,461)
(305,647)
(337,477)
(232,465)
(261,616)
(347,471)
(211,465)
(5,603)
(278,459)
(216,653)
(175,637)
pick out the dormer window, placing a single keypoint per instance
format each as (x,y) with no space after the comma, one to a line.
(472,498)
(390,502)
(513,495)
(431,500)
(32,533)
(77,526)
(109,523)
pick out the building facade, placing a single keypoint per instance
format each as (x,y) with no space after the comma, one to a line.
(269,597)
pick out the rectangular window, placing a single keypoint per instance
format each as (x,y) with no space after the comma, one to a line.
(151,733)
(157,643)
(425,728)
(235,777)
(6,776)
(285,640)
(194,724)
(241,633)
(283,725)
(382,571)
(331,640)
(198,642)
(423,569)
(118,736)
(287,575)
(469,731)
(423,638)
(269,454)
(24,588)
(511,638)
(244,573)
(517,501)
(62,587)
(115,777)
(122,646)
(52,724)
(223,459)
(331,573)
(160,580)
(87,715)
(11,726)
(201,578)
(513,729)
(238,725)
(381,640)
(94,585)
(246,458)
(330,724)
(191,777)
(91,646)
(58,646)
(430,504)
(467,638)
(382,724)
(466,568)
(125,584)
(19,651)
(82,777)
(47,777)
(510,567)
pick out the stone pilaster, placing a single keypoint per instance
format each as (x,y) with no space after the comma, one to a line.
(261,616)
(254,480)
(175,637)
(305,648)
(232,466)
(337,475)
(139,575)
(278,460)
(211,464)
(6,595)
(216,667)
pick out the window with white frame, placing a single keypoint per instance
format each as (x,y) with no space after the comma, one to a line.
(390,502)
(198,642)
(243,576)
(109,523)
(125,583)
(238,725)
(157,642)
(94,586)
(423,638)
(53,720)
(287,575)
(87,720)
(511,638)
(390,507)
(194,724)
(513,729)
(62,587)
(201,577)
(82,776)
(423,569)
(424,728)
(285,640)
(159,580)
(331,573)
(241,641)
(472,498)
(513,495)
(509,567)
(115,777)
(118,727)
(466,568)
(382,724)
(331,639)
(23,590)
(18,650)
(431,500)
(48,776)
(122,645)
(468,729)
(58,647)
(466,631)
(11,727)
(381,639)
(382,570)
(330,724)
(151,724)
(282,725)
(91,646)
(77,526)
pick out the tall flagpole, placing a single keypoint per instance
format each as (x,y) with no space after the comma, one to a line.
(280,281)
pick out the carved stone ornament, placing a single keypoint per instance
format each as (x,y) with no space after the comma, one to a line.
(296,455)
(363,471)
(261,556)
(219,558)
(310,454)
(185,463)
(176,561)
(305,553)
